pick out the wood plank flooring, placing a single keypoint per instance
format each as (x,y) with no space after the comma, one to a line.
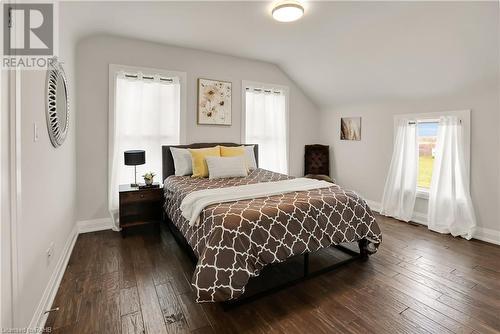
(418,282)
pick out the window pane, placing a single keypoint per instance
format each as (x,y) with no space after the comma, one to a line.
(265,125)
(427,136)
(147,117)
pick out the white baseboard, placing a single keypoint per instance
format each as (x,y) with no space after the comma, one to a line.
(375,206)
(482,233)
(85,226)
(418,217)
(39,318)
(487,235)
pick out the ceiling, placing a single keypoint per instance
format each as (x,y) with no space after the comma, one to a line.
(338,52)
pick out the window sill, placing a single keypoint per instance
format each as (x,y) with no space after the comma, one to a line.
(423,193)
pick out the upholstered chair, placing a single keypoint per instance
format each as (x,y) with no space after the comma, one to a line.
(317,162)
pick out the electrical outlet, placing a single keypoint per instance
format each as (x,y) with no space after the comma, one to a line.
(50,252)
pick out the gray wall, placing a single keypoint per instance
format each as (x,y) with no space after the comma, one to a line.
(48,189)
(430,82)
(94,54)
(363,165)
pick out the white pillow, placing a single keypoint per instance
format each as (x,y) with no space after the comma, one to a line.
(224,167)
(250,155)
(182,161)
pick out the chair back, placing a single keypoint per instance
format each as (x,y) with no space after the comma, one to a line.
(317,160)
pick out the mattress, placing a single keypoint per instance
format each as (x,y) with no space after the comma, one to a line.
(234,241)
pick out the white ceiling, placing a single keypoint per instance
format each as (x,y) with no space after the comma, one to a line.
(338,52)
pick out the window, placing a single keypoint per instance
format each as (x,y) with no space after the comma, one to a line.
(427,125)
(145,113)
(430,160)
(426,138)
(266,124)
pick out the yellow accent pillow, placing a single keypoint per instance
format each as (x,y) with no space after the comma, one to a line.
(235,151)
(200,168)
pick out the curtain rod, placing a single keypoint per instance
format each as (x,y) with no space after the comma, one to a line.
(147,77)
(413,123)
(265,90)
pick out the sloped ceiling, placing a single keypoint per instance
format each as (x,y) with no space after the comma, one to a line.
(338,52)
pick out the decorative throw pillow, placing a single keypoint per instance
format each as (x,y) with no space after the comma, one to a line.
(251,162)
(198,156)
(224,167)
(183,163)
(226,151)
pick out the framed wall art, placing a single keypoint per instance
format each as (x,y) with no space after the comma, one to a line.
(214,102)
(350,128)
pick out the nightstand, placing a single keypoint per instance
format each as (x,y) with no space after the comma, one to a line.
(140,206)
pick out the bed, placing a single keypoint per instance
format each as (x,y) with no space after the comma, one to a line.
(234,241)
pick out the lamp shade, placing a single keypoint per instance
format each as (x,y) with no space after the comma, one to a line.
(135,157)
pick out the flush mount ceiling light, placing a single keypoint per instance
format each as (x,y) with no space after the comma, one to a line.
(287,11)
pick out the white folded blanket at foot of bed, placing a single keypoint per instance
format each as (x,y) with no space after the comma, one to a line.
(195,202)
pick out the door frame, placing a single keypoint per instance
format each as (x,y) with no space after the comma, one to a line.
(10,190)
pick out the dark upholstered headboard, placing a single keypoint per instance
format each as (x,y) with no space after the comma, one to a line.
(168,161)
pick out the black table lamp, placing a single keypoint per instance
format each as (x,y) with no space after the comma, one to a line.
(134,158)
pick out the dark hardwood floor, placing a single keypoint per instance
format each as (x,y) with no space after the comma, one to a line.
(418,282)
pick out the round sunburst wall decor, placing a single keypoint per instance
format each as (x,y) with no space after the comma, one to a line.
(57,108)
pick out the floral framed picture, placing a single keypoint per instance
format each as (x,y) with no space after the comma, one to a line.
(214,102)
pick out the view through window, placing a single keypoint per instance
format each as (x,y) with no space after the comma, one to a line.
(427,137)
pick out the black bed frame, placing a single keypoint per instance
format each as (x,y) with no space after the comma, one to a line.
(168,169)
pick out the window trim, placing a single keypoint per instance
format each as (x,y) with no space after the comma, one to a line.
(423,193)
(286,90)
(463,116)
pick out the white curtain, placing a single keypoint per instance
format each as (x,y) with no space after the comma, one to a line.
(146,116)
(266,125)
(401,185)
(450,204)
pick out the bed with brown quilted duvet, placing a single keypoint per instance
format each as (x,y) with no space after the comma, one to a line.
(235,240)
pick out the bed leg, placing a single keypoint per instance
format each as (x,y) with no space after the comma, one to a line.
(363,249)
(306,264)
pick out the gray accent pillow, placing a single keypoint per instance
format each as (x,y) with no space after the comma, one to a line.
(225,167)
